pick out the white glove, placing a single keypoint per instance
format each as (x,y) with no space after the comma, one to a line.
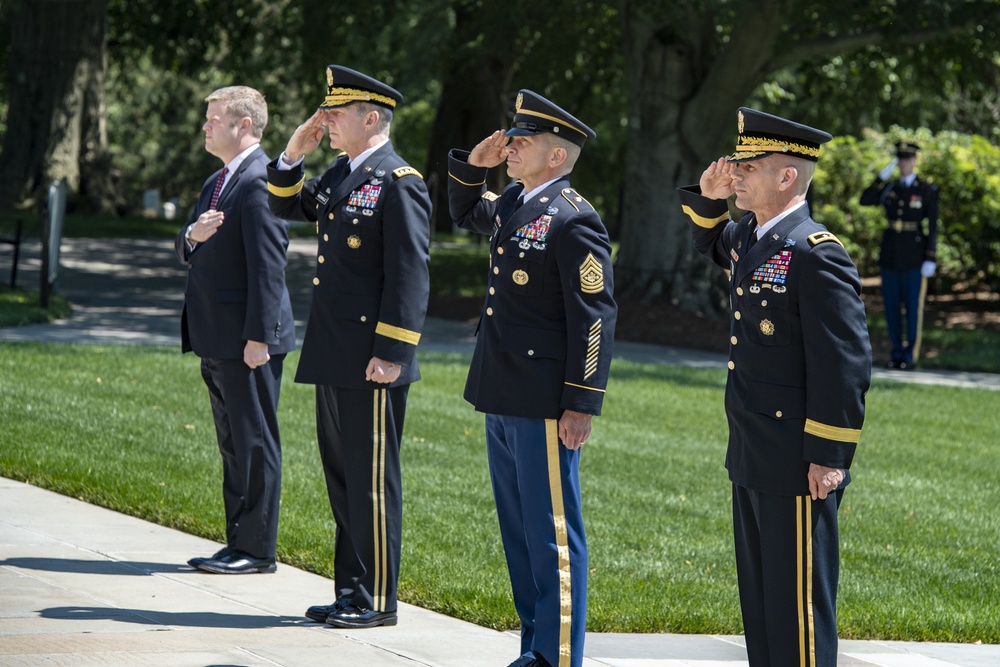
(927,269)
(888,169)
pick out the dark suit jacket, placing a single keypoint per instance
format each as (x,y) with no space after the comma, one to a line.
(799,356)
(905,243)
(547,328)
(372,277)
(236,279)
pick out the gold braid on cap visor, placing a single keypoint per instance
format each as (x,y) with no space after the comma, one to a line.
(747,146)
(340,96)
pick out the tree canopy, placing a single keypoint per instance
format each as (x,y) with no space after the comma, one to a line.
(659,80)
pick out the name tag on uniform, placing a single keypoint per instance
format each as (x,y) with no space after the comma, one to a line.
(322,198)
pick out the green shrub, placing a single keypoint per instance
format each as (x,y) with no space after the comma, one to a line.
(966,169)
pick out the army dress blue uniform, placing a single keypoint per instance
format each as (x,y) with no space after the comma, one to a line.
(369,300)
(799,368)
(544,345)
(906,245)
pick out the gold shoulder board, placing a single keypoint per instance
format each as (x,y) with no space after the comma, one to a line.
(490,196)
(822,237)
(406,171)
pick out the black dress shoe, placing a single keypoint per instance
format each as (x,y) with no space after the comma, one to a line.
(237,562)
(352,616)
(321,612)
(529,661)
(221,553)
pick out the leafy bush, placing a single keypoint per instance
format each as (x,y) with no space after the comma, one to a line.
(966,169)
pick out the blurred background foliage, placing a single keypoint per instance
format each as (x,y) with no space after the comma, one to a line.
(870,72)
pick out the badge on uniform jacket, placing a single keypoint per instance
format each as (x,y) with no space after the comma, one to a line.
(775,269)
(366,196)
(536,230)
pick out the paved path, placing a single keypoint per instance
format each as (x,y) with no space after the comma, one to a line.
(81,585)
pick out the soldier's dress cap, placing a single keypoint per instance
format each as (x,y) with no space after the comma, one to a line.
(906,149)
(761,134)
(533,114)
(346,86)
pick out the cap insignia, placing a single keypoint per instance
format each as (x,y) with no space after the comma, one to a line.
(520,101)
(739,124)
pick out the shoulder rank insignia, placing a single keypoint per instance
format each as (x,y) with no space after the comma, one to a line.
(574,199)
(490,196)
(591,275)
(406,171)
(822,237)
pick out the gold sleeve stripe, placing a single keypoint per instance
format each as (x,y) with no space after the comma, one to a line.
(593,349)
(290,191)
(701,221)
(580,386)
(832,432)
(471,185)
(397,333)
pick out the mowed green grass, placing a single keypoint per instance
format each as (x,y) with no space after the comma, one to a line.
(130,428)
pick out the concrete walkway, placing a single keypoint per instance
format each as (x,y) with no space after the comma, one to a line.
(81,585)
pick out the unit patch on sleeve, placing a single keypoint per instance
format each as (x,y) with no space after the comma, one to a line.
(591,275)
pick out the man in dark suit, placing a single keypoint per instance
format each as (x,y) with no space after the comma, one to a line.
(799,369)
(908,256)
(238,318)
(372,214)
(540,367)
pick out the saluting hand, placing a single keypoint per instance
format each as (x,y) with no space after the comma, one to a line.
(490,152)
(306,137)
(717,181)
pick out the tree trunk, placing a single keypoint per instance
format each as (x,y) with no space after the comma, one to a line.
(682,115)
(473,103)
(56,118)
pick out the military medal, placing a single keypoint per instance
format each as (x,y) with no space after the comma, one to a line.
(353,242)
(767,327)
(521,277)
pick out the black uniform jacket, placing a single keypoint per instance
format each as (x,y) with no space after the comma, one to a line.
(905,243)
(800,358)
(372,282)
(547,327)
(236,279)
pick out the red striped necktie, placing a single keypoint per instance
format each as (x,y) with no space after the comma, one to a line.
(218,189)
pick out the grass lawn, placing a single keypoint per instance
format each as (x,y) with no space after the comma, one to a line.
(130,428)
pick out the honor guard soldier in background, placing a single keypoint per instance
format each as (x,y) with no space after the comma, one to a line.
(541,361)
(799,369)
(372,213)
(237,318)
(908,256)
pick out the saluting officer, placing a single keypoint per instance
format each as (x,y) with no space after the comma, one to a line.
(540,366)
(370,292)
(799,368)
(908,256)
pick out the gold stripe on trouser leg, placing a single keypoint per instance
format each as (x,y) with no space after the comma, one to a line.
(378,499)
(807,629)
(920,318)
(562,542)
